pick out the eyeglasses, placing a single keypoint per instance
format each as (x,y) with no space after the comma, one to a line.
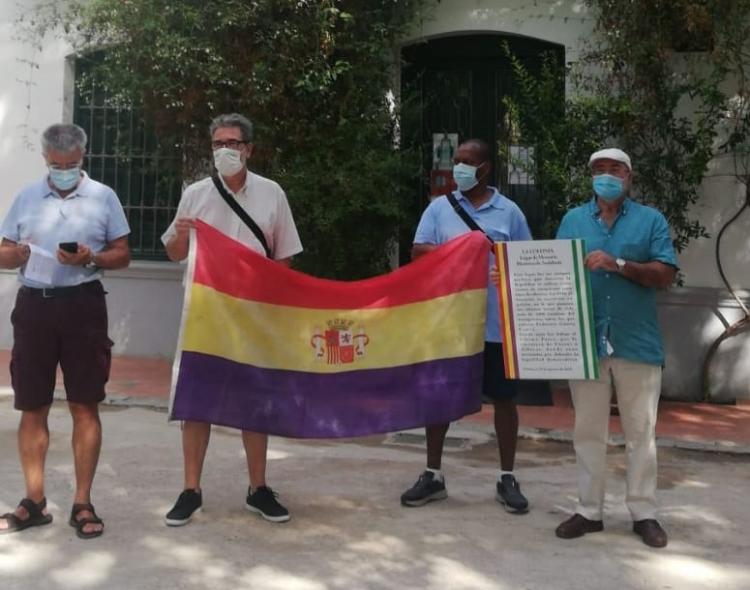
(232,144)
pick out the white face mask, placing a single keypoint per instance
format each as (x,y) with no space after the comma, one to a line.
(465,177)
(227,161)
(65,180)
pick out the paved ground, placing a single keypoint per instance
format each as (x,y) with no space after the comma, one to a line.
(348,530)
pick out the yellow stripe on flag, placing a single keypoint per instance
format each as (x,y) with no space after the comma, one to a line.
(291,338)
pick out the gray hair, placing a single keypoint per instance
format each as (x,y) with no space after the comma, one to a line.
(64,137)
(233,120)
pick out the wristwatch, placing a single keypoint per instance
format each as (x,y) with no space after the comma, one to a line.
(91,264)
(620,262)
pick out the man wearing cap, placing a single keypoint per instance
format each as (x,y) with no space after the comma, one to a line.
(630,256)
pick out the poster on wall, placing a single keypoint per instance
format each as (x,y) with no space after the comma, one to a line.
(546,316)
(444,146)
(521,165)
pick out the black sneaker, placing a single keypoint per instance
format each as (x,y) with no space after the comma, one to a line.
(264,502)
(189,502)
(509,495)
(427,489)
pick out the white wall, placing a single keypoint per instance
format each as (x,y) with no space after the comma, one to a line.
(21,87)
(144,303)
(694,317)
(721,197)
(563,22)
(691,319)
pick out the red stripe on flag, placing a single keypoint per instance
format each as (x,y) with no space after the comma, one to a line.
(230,267)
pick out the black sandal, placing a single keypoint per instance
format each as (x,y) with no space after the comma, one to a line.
(78,524)
(35,518)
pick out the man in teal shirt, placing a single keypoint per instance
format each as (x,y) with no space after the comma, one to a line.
(630,256)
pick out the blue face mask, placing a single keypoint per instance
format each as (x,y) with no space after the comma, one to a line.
(608,187)
(465,177)
(65,179)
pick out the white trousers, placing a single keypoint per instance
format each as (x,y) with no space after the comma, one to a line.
(637,386)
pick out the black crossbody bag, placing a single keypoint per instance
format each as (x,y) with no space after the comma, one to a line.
(242,214)
(461,212)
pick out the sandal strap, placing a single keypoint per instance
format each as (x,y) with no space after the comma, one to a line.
(34,509)
(88,520)
(78,508)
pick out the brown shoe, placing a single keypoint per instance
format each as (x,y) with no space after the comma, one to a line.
(651,532)
(577,526)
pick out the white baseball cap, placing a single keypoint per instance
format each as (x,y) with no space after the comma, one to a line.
(611,154)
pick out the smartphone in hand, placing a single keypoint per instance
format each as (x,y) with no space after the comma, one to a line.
(70,247)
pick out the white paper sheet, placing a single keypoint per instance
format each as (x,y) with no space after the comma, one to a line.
(41,266)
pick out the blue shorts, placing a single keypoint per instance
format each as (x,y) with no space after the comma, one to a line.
(494,385)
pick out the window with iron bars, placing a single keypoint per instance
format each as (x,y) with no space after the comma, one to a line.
(124,153)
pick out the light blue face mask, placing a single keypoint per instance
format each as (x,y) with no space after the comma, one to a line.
(465,176)
(65,179)
(608,187)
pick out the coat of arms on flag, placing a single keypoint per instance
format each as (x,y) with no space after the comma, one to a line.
(339,343)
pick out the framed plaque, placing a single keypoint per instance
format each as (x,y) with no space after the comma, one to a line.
(546,315)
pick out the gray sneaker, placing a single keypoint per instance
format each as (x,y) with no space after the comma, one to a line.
(509,495)
(427,489)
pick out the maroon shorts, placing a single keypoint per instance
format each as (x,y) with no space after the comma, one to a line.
(60,326)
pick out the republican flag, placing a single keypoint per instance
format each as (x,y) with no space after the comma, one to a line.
(269,349)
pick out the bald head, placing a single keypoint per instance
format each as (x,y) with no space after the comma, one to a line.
(481,148)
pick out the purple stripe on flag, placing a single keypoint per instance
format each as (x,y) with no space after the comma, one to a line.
(313,405)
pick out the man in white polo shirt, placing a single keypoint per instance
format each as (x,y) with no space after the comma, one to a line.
(276,237)
(60,232)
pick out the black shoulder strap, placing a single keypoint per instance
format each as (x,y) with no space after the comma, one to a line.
(465,217)
(241,213)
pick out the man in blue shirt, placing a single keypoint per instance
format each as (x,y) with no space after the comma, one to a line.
(502,220)
(60,232)
(630,256)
